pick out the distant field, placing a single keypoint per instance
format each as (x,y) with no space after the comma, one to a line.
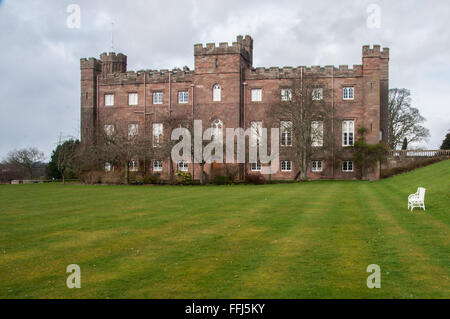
(303,240)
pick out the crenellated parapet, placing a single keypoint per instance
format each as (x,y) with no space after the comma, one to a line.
(113,57)
(90,63)
(289,72)
(375,52)
(152,76)
(113,63)
(242,46)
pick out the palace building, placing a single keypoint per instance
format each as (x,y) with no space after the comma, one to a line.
(226,90)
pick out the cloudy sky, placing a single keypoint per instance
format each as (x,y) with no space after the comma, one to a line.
(40,51)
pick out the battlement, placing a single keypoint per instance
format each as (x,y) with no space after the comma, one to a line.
(375,52)
(243,46)
(90,63)
(289,72)
(112,63)
(152,76)
(112,57)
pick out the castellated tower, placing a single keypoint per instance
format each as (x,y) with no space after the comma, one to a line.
(222,65)
(91,70)
(376,91)
(112,63)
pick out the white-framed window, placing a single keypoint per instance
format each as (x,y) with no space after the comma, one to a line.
(347,166)
(216,93)
(256,95)
(157,166)
(286,94)
(348,132)
(256,132)
(183,97)
(348,93)
(109,130)
(109,99)
(157,97)
(157,134)
(183,166)
(317,94)
(286,133)
(108,167)
(132,99)
(133,130)
(316,166)
(317,133)
(286,166)
(133,166)
(255,167)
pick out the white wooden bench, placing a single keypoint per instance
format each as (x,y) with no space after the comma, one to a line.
(417,199)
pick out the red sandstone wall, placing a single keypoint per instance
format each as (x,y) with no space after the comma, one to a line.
(230,66)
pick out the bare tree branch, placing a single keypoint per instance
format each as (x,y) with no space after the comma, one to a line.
(404,120)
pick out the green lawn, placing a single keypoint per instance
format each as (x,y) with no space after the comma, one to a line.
(303,240)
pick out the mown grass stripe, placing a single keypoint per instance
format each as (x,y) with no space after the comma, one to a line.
(309,240)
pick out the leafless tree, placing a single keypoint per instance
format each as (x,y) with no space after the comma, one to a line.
(304,117)
(121,144)
(164,149)
(24,160)
(403,119)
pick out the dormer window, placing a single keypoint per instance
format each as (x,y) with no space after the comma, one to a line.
(216,93)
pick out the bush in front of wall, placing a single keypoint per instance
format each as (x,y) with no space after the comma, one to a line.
(183,178)
(221,180)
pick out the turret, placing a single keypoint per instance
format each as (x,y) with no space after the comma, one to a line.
(112,63)
(212,58)
(90,69)
(376,63)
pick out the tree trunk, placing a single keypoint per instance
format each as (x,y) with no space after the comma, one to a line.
(304,167)
(171,170)
(126,173)
(270,172)
(202,174)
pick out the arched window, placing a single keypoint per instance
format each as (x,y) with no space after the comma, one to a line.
(217,129)
(216,93)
